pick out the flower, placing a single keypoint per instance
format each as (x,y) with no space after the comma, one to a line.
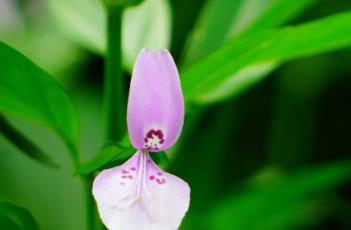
(138,195)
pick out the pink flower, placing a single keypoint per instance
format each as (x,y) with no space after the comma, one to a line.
(138,195)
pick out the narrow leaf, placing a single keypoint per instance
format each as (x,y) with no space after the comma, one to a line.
(23,143)
(208,34)
(6,223)
(284,203)
(146,25)
(29,92)
(238,17)
(267,14)
(206,81)
(111,152)
(18,215)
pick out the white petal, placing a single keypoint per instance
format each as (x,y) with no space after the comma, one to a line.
(138,195)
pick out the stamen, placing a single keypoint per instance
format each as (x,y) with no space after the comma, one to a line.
(154,139)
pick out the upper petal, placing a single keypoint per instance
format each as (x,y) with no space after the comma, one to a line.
(155,105)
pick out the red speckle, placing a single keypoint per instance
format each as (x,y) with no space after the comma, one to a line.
(152,177)
(133,168)
(160,181)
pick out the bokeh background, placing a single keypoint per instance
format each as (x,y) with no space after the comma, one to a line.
(270,157)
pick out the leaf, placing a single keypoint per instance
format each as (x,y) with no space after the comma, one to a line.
(18,215)
(29,92)
(6,223)
(146,25)
(242,80)
(237,18)
(206,82)
(111,152)
(258,15)
(24,144)
(208,34)
(284,203)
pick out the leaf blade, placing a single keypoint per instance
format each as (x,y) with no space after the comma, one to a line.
(109,153)
(145,25)
(273,203)
(272,14)
(24,144)
(19,215)
(208,34)
(29,92)
(275,45)
(239,17)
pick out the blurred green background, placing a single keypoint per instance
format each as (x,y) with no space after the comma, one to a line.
(269,153)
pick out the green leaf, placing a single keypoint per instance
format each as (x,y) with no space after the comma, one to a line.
(18,215)
(281,202)
(23,143)
(8,224)
(237,18)
(209,80)
(208,34)
(146,25)
(258,15)
(111,152)
(29,92)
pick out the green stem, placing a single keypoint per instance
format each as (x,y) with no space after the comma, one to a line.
(114,95)
(114,102)
(90,214)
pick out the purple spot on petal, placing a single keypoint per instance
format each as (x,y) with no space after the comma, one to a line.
(125,171)
(160,181)
(159,173)
(130,177)
(124,177)
(122,183)
(133,168)
(152,177)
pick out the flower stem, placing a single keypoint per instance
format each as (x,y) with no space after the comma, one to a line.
(90,210)
(114,102)
(114,94)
